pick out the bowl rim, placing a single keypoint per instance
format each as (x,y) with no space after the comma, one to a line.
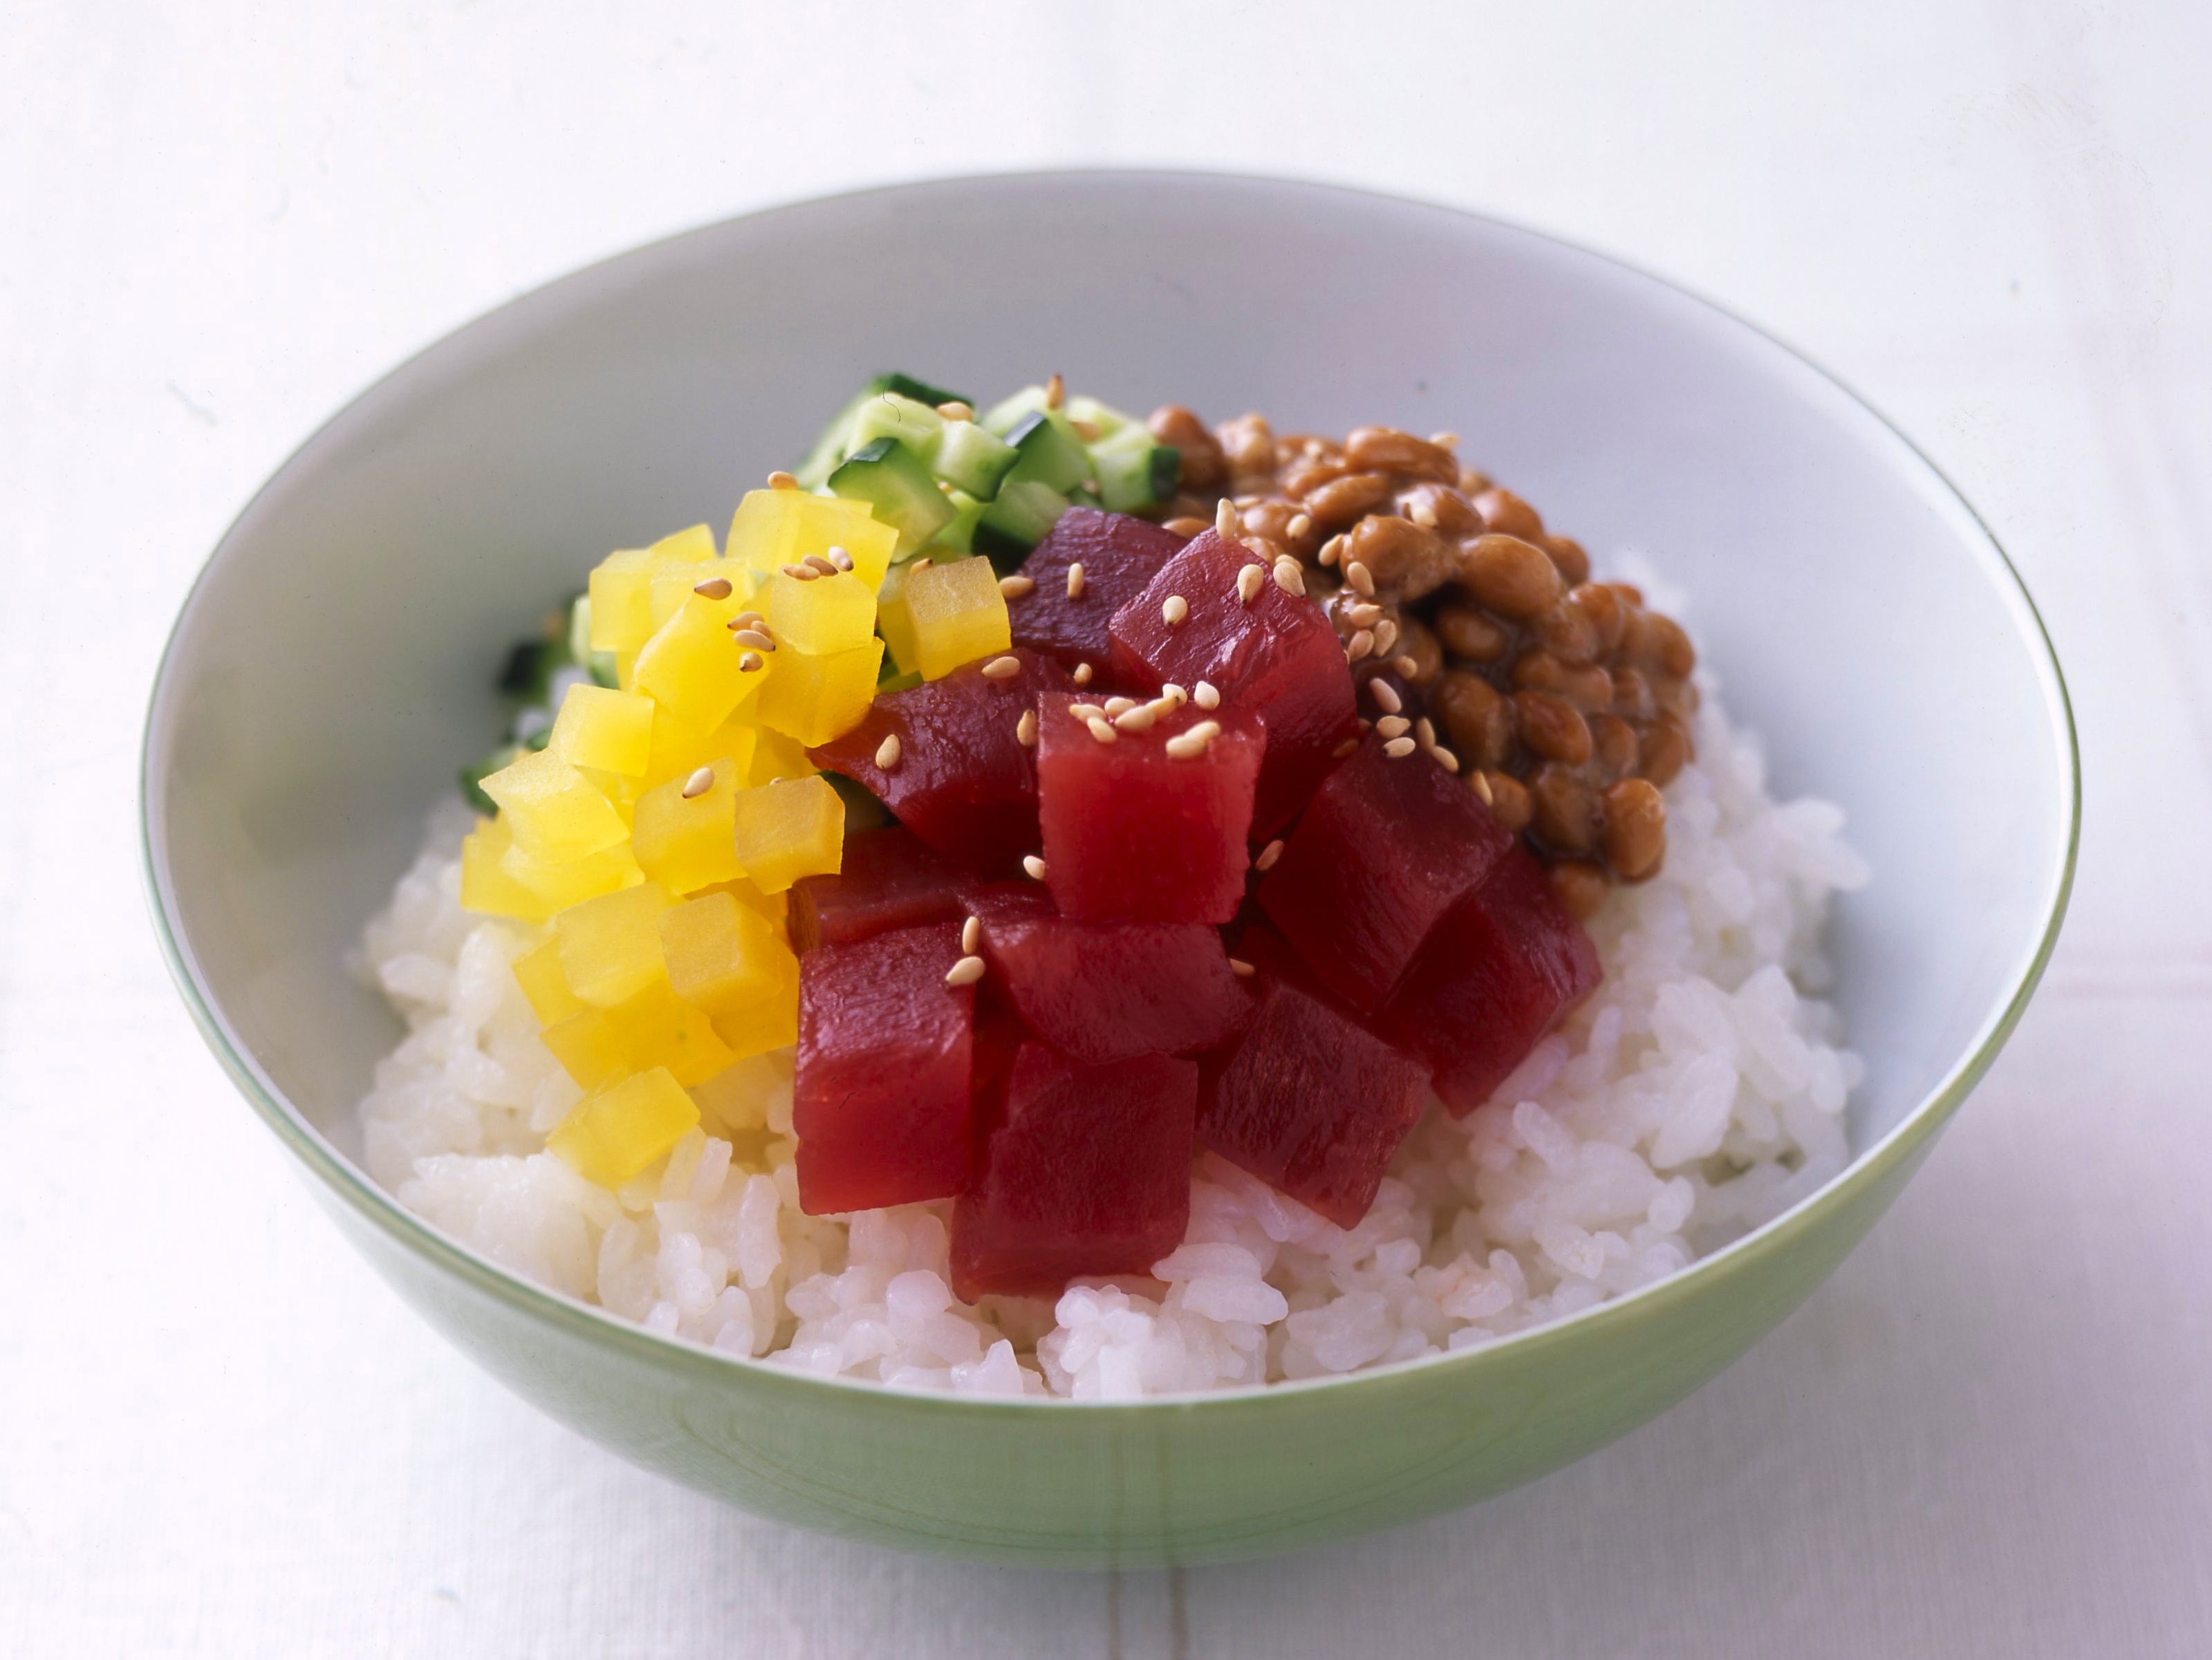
(590,1321)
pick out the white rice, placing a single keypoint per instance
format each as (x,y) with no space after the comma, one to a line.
(1700,1092)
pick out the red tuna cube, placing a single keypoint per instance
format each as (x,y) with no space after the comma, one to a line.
(1385,848)
(890,879)
(1119,555)
(1278,657)
(1086,1170)
(963,781)
(1133,831)
(881,1105)
(1499,972)
(1108,991)
(1311,1102)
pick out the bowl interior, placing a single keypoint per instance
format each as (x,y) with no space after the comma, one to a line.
(330,671)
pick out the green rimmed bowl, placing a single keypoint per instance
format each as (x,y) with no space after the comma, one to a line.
(329,672)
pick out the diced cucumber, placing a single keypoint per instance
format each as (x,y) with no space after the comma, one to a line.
(1104,417)
(837,442)
(1051,453)
(1003,416)
(897,485)
(920,391)
(1134,469)
(971,459)
(1018,521)
(959,535)
(887,415)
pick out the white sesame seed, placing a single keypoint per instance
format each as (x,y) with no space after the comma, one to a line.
(820,566)
(971,934)
(1240,968)
(1332,550)
(801,573)
(1075,580)
(954,409)
(1184,747)
(1481,783)
(1116,705)
(1056,392)
(1205,731)
(965,972)
(714,587)
(1386,636)
(1026,729)
(1290,576)
(1100,730)
(1226,522)
(1138,719)
(1249,583)
(1407,666)
(1386,695)
(1444,757)
(1444,441)
(1175,694)
(1399,748)
(698,783)
(1086,430)
(841,559)
(1087,711)
(1363,614)
(750,663)
(1035,868)
(749,619)
(1268,855)
(916,567)
(1345,748)
(1082,675)
(888,751)
(1363,642)
(1017,588)
(1175,610)
(1299,525)
(1425,730)
(780,480)
(1361,578)
(1204,695)
(758,638)
(1394,725)
(1002,668)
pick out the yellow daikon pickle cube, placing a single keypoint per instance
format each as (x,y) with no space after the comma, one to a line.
(678,751)
(608,1138)
(604,731)
(957,615)
(789,830)
(774,757)
(775,528)
(487,887)
(561,883)
(672,582)
(552,809)
(695,668)
(537,971)
(893,620)
(821,614)
(587,1046)
(733,962)
(685,835)
(611,945)
(622,586)
(815,698)
(658,1027)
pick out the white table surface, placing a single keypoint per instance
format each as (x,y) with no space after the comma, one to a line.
(1989,1435)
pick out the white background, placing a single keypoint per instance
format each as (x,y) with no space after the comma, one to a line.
(1991,1435)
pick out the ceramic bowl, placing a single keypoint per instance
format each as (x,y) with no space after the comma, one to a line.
(329,672)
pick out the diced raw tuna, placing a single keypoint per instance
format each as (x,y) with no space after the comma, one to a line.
(1108,991)
(881,1105)
(1496,975)
(963,781)
(1085,1171)
(1134,832)
(1311,1102)
(1385,847)
(891,878)
(1278,657)
(1119,555)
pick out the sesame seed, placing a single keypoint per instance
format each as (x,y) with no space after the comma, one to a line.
(1386,695)
(888,751)
(1268,855)
(918,566)
(1087,711)
(1100,730)
(1017,588)
(1386,636)
(1248,582)
(1361,578)
(820,566)
(1299,525)
(971,934)
(965,972)
(1407,666)
(1399,748)
(1290,576)
(1363,642)
(954,409)
(1240,968)
(698,783)
(1225,522)
(1056,392)
(1116,705)
(1138,719)
(841,559)
(1175,610)
(1332,550)
(801,573)
(714,587)
(1204,696)
(1185,747)
(1205,731)
(750,663)
(1444,441)
(1035,868)
(1444,757)
(1075,580)
(1366,724)
(1082,675)
(1425,730)
(1364,614)
(1174,695)
(756,638)
(779,480)
(1481,783)
(1394,725)
(1345,748)
(1026,729)
(1086,430)
(1002,668)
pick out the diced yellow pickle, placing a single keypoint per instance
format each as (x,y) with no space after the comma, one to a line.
(608,1138)
(774,757)
(817,698)
(487,887)
(765,1023)
(722,955)
(738,1099)
(894,622)
(775,528)
(773,906)
(692,666)
(686,841)
(560,883)
(789,830)
(830,613)
(602,730)
(611,945)
(678,751)
(659,1029)
(537,971)
(622,586)
(670,582)
(587,1046)
(553,810)
(957,615)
